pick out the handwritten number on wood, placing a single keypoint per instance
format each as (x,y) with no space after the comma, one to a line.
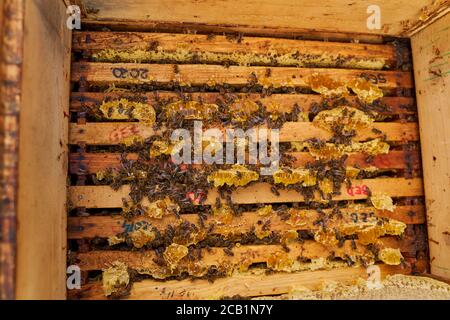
(358,190)
(374,78)
(134,73)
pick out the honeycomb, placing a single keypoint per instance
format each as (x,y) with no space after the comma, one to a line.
(174,254)
(297,218)
(160,147)
(370,231)
(185,53)
(124,109)
(191,239)
(288,176)
(365,90)
(160,208)
(334,151)
(265,211)
(390,256)
(370,234)
(223,215)
(131,140)
(262,229)
(326,186)
(191,110)
(113,240)
(350,118)
(351,172)
(280,261)
(142,236)
(372,147)
(289,236)
(382,202)
(237,176)
(326,237)
(393,287)
(327,86)
(115,278)
(242,109)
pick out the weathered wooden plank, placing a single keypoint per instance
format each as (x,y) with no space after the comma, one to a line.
(112,133)
(248,254)
(339,16)
(242,284)
(212,75)
(260,51)
(41,211)
(283,102)
(395,187)
(431,52)
(89,163)
(121,25)
(107,226)
(105,197)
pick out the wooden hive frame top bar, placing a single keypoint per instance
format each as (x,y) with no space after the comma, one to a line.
(246,285)
(399,17)
(105,197)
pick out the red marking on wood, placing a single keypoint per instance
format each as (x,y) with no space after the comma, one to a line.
(358,190)
(117,135)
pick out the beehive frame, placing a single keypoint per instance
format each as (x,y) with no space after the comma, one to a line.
(26,284)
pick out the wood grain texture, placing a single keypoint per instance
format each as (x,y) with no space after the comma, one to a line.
(11,59)
(199,75)
(42,212)
(113,133)
(299,52)
(107,226)
(94,40)
(339,16)
(431,53)
(121,25)
(89,163)
(105,197)
(431,14)
(284,102)
(248,254)
(245,285)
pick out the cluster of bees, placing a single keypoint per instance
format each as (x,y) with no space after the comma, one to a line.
(172,190)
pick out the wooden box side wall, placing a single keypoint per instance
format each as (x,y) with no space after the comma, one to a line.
(431,55)
(326,17)
(41,232)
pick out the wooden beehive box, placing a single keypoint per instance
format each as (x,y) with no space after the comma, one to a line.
(75,123)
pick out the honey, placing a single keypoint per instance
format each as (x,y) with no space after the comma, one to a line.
(350,118)
(335,151)
(124,109)
(174,254)
(115,277)
(365,90)
(142,236)
(327,86)
(382,202)
(191,110)
(390,256)
(161,208)
(294,176)
(237,176)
